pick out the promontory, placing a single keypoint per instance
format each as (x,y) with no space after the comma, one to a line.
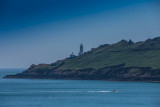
(121,61)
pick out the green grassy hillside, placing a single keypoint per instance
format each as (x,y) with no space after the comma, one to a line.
(140,54)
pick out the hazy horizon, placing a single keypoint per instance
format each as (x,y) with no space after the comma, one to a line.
(43,31)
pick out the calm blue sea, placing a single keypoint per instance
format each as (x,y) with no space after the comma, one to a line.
(75,93)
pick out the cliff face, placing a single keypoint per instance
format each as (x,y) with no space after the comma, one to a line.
(122,61)
(113,73)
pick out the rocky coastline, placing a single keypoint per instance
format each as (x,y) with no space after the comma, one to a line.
(110,73)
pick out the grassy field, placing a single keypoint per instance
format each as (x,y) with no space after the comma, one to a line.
(140,54)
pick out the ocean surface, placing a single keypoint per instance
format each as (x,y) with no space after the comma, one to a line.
(75,93)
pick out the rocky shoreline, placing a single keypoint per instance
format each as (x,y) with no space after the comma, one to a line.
(110,73)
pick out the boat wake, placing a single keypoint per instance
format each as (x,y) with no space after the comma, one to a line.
(77,91)
(56,92)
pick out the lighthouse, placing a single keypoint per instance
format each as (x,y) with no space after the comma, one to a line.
(81,49)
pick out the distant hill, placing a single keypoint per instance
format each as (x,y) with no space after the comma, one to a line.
(140,54)
(124,61)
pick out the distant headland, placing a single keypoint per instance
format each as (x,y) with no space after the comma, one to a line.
(121,61)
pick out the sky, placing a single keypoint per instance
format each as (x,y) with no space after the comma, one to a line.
(44,31)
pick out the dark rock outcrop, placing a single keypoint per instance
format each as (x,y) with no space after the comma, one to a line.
(112,73)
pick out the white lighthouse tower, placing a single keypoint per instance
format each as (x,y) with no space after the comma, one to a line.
(81,49)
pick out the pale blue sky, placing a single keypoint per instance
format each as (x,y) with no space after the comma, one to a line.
(43,31)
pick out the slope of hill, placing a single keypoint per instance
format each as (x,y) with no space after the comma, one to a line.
(124,60)
(140,54)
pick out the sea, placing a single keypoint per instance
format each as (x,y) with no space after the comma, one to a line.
(75,93)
